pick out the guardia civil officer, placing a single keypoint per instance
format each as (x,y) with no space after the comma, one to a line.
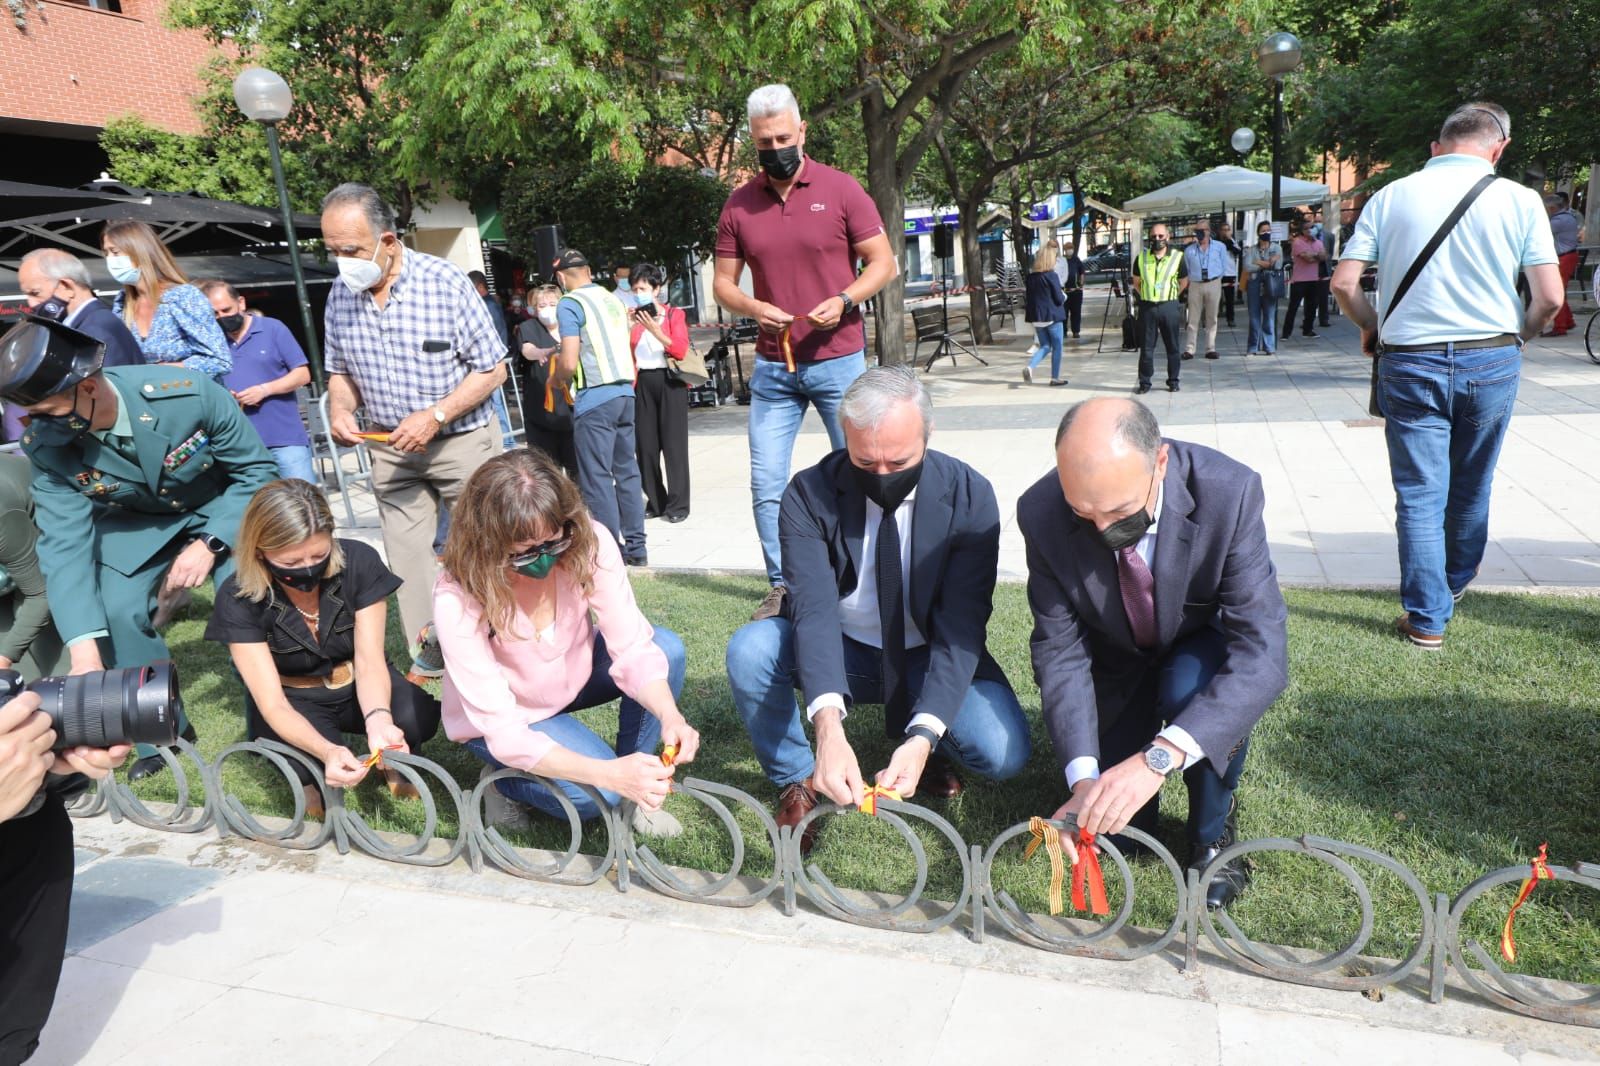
(140,477)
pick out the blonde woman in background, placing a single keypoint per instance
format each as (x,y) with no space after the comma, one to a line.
(170,318)
(1046,312)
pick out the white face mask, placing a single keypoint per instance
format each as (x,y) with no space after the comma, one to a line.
(547,315)
(357,273)
(122,270)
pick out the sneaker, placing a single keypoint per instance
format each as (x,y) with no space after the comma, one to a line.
(1462,591)
(500,810)
(636,559)
(656,823)
(1027,374)
(1172,386)
(772,606)
(1425,641)
(429,660)
(1309,333)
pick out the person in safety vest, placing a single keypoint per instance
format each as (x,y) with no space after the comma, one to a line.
(1159,276)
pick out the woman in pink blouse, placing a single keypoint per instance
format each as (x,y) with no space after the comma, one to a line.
(1306,253)
(537,620)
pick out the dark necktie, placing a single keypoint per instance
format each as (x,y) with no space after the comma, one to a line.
(1138,596)
(892,625)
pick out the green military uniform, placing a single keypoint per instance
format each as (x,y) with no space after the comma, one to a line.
(27,636)
(116,508)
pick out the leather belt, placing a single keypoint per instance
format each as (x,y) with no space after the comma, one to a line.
(343,673)
(1499,340)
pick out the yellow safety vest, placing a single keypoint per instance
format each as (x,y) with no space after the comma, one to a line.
(1158,278)
(606,357)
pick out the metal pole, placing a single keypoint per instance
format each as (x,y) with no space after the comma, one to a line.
(313,349)
(1277,144)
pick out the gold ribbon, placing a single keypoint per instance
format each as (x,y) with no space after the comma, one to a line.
(1048,835)
(869,798)
(669,755)
(376,758)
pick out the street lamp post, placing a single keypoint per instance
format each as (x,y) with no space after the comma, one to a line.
(1278,56)
(264,97)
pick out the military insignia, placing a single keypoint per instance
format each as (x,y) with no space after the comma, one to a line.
(146,417)
(82,478)
(101,490)
(185,451)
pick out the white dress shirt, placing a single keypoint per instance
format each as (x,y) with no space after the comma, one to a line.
(1089,766)
(858,612)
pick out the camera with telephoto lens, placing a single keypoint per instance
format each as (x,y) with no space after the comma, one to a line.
(134,705)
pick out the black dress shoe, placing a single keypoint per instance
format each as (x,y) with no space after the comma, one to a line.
(675,518)
(1233,878)
(637,559)
(1172,386)
(1141,389)
(939,778)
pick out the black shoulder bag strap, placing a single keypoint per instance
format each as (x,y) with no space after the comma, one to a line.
(1421,261)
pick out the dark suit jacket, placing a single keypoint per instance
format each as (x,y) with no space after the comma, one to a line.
(102,323)
(955,553)
(1212,568)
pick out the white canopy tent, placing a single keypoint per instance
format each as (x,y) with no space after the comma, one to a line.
(1226,188)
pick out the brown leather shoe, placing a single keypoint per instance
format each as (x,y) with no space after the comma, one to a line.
(939,778)
(772,605)
(794,803)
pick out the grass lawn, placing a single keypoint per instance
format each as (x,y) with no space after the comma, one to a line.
(1453,763)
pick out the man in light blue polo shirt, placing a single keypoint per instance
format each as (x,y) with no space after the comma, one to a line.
(1451,353)
(1207,262)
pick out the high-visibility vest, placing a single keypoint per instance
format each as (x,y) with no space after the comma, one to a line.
(606,354)
(1158,278)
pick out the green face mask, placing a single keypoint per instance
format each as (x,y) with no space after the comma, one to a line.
(535,565)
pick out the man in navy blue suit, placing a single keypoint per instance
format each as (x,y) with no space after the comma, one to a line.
(56,285)
(890,552)
(1160,635)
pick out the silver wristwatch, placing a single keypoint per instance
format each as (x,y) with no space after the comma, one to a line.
(1159,759)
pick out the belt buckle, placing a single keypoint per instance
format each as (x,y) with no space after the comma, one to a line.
(343,673)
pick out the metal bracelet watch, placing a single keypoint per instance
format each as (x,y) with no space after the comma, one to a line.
(849,304)
(925,733)
(214,545)
(1159,759)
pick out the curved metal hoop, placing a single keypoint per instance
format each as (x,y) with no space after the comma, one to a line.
(1514,992)
(182,818)
(351,828)
(832,902)
(91,803)
(1248,954)
(235,817)
(662,878)
(508,857)
(1024,927)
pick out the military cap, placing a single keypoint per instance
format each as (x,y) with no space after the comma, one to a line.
(39,358)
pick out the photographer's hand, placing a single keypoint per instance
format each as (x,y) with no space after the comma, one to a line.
(25,756)
(91,762)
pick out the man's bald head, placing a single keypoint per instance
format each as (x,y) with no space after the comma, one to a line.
(1109,457)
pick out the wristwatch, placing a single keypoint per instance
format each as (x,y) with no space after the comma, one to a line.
(214,545)
(439,416)
(1159,759)
(849,304)
(925,733)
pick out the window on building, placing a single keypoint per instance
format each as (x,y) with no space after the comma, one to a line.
(97,5)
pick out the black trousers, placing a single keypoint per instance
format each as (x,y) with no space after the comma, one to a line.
(1075,312)
(557,444)
(1300,293)
(1162,319)
(35,894)
(335,712)
(1230,292)
(1323,289)
(661,431)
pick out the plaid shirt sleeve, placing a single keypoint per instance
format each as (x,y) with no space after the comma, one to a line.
(478,344)
(333,360)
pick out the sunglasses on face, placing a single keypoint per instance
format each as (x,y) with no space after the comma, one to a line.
(549,547)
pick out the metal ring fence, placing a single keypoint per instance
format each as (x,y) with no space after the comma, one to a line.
(202,803)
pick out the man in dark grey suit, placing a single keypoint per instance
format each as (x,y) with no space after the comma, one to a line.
(56,285)
(890,552)
(1159,631)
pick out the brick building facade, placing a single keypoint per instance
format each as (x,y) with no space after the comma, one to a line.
(79,64)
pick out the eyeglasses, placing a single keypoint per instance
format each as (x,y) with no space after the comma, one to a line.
(549,547)
(1504,136)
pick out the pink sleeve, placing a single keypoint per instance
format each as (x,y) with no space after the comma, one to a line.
(861,219)
(630,640)
(476,678)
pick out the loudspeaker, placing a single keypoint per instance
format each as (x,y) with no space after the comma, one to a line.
(944,241)
(548,243)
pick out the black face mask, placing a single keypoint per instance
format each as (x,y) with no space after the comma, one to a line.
(1159,242)
(780,163)
(54,309)
(1124,532)
(58,431)
(1265,238)
(888,491)
(231,324)
(300,578)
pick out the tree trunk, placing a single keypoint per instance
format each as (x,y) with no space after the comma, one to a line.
(883,184)
(1077,209)
(1019,233)
(972,260)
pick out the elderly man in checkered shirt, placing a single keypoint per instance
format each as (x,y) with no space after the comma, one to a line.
(409,339)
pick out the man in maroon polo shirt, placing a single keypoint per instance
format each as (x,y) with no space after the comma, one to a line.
(801,226)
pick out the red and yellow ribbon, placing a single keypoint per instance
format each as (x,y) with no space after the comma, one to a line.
(1048,835)
(669,755)
(786,346)
(376,758)
(1538,871)
(374,437)
(869,798)
(1086,874)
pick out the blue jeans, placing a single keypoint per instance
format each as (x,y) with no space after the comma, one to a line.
(294,460)
(778,401)
(1187,668)
(637,730)
(989,735)
(1445,416)
(1048,338)
(608,471)
(1263,321)
(501,413)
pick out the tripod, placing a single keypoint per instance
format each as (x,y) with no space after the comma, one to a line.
(946,343)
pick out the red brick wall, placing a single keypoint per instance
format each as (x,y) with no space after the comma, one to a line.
(81,67)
